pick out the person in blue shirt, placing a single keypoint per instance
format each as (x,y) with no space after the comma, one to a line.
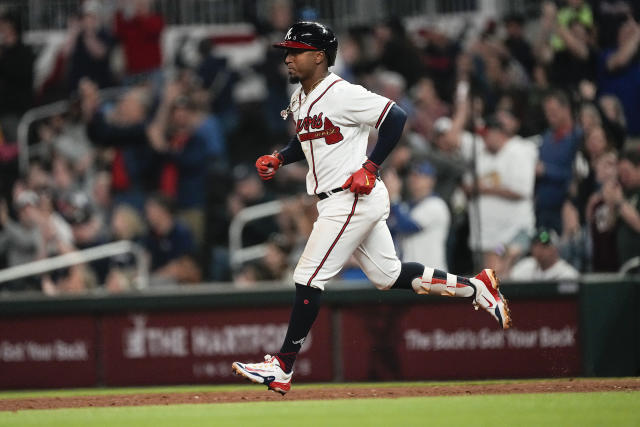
(560,143)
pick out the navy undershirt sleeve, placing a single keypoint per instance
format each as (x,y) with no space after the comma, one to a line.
(292,152)
(389,134)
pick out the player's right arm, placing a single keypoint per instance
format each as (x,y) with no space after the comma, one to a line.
(267,165)
(363,180)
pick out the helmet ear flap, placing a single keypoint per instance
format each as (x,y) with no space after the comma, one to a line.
(331,57)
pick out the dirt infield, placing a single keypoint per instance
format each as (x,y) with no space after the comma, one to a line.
(259,393)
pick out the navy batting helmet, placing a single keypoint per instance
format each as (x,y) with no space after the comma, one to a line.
(311,36)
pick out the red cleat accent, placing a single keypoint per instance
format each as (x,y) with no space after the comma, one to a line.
(488,297)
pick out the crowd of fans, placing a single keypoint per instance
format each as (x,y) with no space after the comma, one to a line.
(521,152)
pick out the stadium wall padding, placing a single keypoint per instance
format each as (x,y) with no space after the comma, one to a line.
(192,334)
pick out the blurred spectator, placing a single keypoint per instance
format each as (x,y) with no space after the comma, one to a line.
(589,118)
(517,44)
(565,44)
(501,211)
(56,231)
(139,30)
(450,145)
(619,73)
(428,108)
(392,85)
(101,195)
(89,48)
(64,179)
(219,79)
(544,262)
(498,75)
(606,112)
(533,119)
(556,155)
(614,121)
(21,240)
(126,224)
(398,52)
(585,183)
(16,75)
(574,10)
(40,233)
(625,198)
(170,244)
(186,147)
(609,16)
(423,223)
(350,56)
(438,57)
(87,227)
(124,129)
(601,216)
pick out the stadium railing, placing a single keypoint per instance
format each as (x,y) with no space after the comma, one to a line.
(107,250)
(238,254)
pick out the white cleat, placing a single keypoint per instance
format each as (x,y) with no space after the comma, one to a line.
(488,297)
(268,372)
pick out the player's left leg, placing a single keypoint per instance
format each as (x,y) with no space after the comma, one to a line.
(376,255)
(343,222)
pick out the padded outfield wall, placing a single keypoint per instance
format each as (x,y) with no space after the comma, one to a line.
(191,335)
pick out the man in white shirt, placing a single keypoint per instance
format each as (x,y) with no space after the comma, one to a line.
(545,262)
(501,213)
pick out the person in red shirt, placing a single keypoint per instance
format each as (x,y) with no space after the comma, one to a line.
(139,30)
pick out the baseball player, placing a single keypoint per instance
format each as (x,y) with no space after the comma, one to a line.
(333,119)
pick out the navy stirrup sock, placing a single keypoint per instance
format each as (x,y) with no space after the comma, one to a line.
(304,313)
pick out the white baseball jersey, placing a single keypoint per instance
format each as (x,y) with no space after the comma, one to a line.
(333,123)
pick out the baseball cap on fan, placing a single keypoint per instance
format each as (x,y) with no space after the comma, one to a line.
(545,236)
(91,7)
(26,198)
(424,168)
(442,125)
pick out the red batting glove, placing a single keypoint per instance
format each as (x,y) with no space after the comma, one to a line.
(268,165)
(364,179)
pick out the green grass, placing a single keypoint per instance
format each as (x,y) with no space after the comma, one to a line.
(560,409)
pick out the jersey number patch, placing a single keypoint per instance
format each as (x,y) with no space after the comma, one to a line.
(330,133)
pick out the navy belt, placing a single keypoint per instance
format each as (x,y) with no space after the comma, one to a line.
(324,195)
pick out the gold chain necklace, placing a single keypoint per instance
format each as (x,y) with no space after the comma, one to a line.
(294,105)
(316,84)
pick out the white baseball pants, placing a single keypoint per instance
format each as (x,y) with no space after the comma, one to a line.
(348,224)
